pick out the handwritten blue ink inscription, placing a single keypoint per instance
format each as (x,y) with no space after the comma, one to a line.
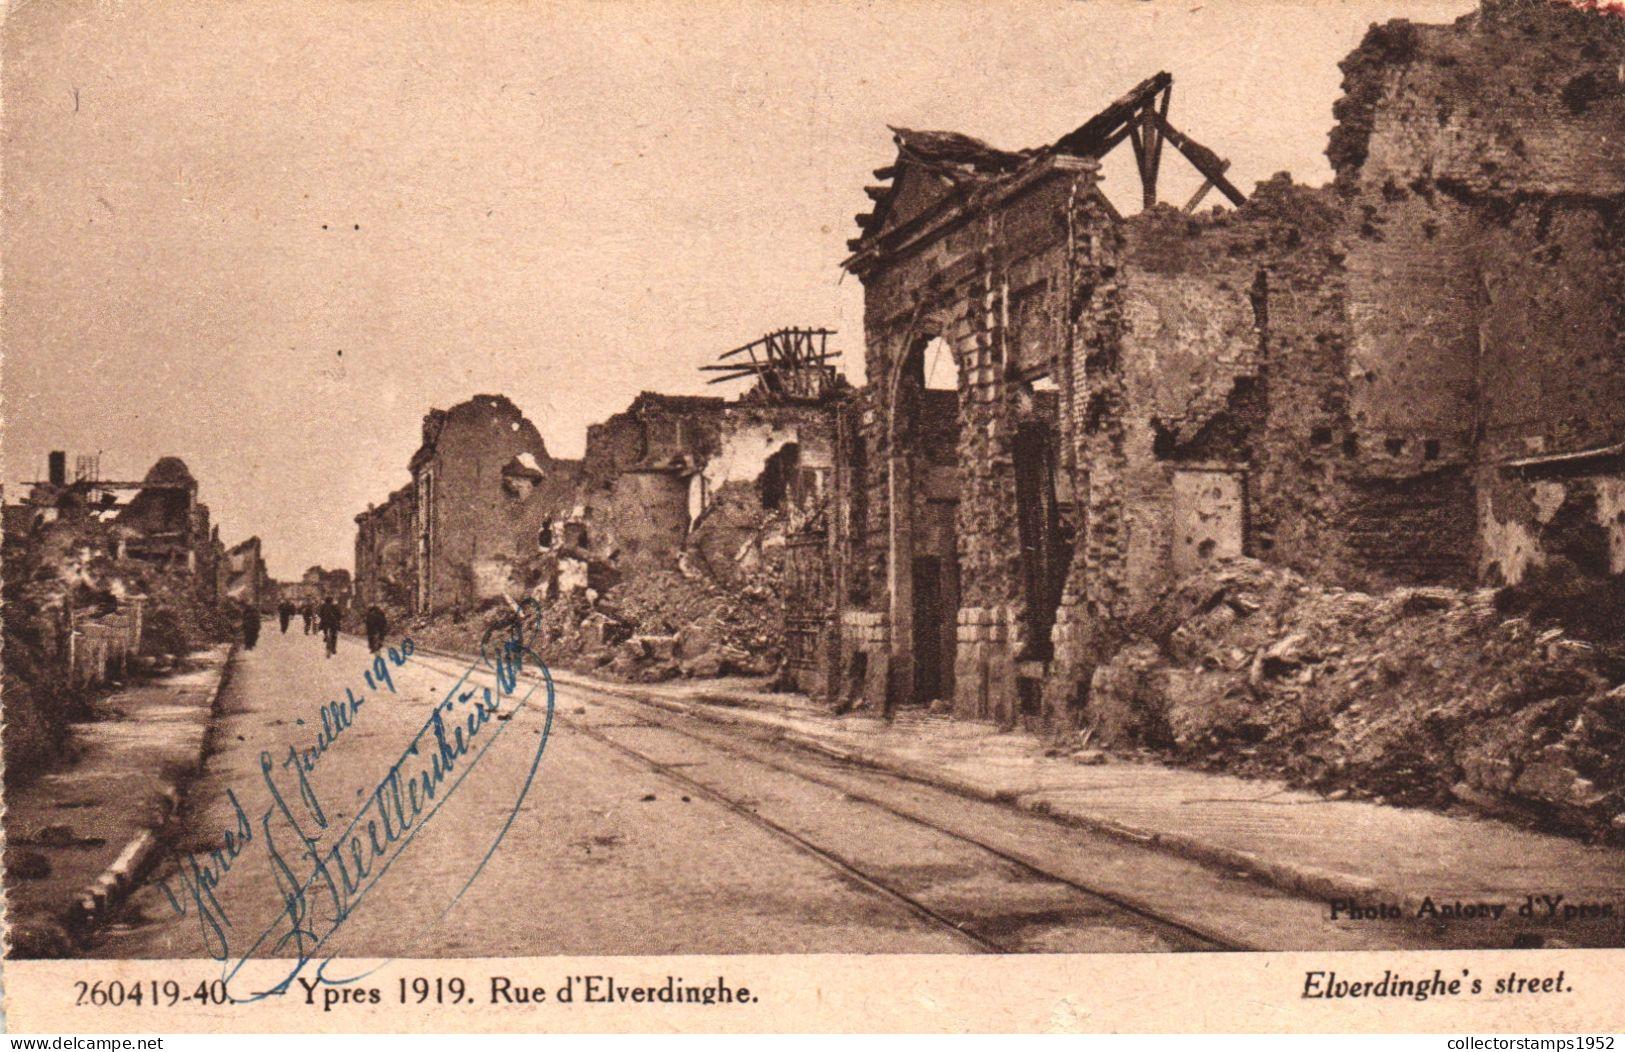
(322,873)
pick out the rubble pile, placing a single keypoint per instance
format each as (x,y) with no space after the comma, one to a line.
(654,626)
(1421,696)
(61,571)
(73,571)
(690,626)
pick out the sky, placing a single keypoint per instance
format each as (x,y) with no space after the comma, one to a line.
(269,237)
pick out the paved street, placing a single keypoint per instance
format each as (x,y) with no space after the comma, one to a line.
(644,833)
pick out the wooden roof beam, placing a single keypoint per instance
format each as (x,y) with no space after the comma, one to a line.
(1204,160)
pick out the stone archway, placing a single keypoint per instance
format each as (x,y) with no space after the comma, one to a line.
(923,404)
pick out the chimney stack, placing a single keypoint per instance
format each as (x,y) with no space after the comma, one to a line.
(59,467)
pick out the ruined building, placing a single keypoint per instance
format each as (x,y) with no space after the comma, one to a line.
(243,577)
(728,494)
(1483,169)
(100,572)
(761,504)
(481,479)
(692,538)
(314,585)
(482,487)
(156,523)
(385,568)
(630,509)
(1416,375)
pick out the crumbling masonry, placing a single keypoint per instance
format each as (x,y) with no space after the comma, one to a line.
(691,539)
(1414,376)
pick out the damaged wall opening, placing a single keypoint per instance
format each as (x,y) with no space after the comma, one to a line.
(927,416)
(1046,543)
(779,475)
(932,366)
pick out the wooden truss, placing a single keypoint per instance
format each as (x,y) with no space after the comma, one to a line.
(781,361)
(1141,117)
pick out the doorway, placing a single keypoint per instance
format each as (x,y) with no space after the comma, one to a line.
(936,627)
(1045,549)
(928,603)
(925,542)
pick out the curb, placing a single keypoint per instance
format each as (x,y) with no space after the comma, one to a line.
(113,886)
(719,708)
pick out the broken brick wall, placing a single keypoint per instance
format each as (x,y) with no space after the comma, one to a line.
(1439,386)
(481,528)
(655,431)
(1234,354)
(630,509)
(1484,163)
(1554,374)
(1210,363)
(386,554)
(642,520)
(769,473)
(751,436)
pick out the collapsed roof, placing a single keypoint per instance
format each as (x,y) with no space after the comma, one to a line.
(963,163)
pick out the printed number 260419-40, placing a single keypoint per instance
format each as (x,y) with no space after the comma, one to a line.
(161,993)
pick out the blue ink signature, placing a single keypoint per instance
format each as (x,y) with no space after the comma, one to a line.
(459,730)
(199,877)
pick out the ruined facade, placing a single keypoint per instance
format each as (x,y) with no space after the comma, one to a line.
(956,521)
(243,577)
(385,567)
(1484,168)
(483,484)
(467,527)
(630,510)
(1413,376)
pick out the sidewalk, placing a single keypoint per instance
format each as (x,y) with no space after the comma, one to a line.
(1295,840)
(78,838)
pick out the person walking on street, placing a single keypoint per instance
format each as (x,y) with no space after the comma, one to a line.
(329,617)
(251,627)
(377,626)
(308,612)
(284,614)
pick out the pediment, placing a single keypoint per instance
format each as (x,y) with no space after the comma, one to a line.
(915,191)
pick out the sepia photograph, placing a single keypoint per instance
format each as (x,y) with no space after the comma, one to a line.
(707,480)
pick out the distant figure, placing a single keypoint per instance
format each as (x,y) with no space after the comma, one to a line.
(284,614)
(308,612)
(329,617)
(251,628)
(377,626)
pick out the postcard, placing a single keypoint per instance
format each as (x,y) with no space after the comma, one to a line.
(1047,516)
